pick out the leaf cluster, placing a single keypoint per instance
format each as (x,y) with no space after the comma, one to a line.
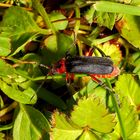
(37,101)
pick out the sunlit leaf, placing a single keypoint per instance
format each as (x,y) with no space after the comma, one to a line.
(51,43)
(113,51)
(129,120)
(2,136)
(128,27)
(1,102)
(135,61)
(5,46)
(30,124)
(87,90)
(59,21)
(135,58)
(102,18)
(30,64)
(89,14)
(19,23)
(105,19)
(91,88)
(129,117)
(6,69)
(56,47)
(135,2)
(64,128)
(96,115)
(127,86)
(26,96)
(20,27)
(88,135)
(136,134)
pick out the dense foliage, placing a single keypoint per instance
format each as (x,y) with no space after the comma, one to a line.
(39,100)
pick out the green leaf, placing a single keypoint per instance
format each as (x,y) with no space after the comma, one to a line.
(91,88)
(30,124)
(26,96)
(1,102)
(126,86)
(19,43)
(129,118)
(6,127)
(88,135)
(106,19)
(2,136)
(96,117)
(128,27)
(20,27)
(59,25)
(46,95)
(135,60)
(31,68)
(87,90)
(90,14)
(64,129)
(114,7)
(137,70)
(136,134)
(6,69)
(135,2)
(5,46)
(21,22)
(57,46)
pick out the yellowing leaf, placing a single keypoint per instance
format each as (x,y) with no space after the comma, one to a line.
(88,135)
(64,129)
(111,50)
(136,134)
(92,113)
(127,86)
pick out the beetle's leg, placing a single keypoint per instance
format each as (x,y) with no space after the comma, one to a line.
(100,83)
(92,50)
(96,79)
(69,77)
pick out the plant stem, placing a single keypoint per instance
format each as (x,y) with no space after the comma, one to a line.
(95,42)
(105,39)
(37,5)
(116,107)
(8,109)
(77,24)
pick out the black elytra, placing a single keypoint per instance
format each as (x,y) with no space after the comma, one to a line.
(89,65)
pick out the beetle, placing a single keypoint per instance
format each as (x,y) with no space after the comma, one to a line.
(101,67)
(95,67)
(89,65)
